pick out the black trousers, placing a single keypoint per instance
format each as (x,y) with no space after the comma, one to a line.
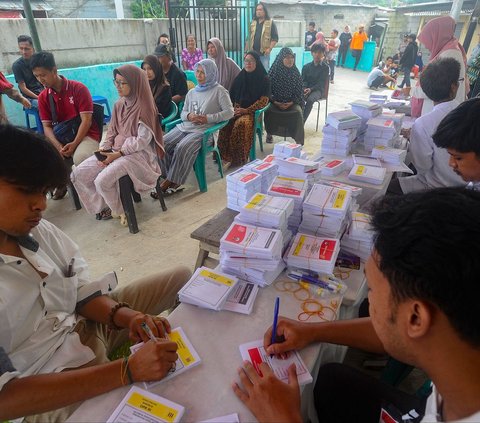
(342,55)
(312,98)
(343,395)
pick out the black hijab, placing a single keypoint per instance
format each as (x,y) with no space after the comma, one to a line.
(248,87)
(158,84)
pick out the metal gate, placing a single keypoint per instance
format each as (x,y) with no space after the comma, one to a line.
(228,23)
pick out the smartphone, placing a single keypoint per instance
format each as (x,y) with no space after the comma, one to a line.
(101,157)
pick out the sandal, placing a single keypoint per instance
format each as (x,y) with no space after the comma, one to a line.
(171,190)
(269,139)
(154,194)
(105,214)
(123,219)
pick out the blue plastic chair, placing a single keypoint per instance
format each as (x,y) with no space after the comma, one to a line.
(207,147)
(38,123)
(103,100)
(258,131)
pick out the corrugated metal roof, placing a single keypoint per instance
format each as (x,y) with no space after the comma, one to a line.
(437,12)
(18,5)
(322,3)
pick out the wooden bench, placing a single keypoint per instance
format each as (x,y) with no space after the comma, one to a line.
(210,233)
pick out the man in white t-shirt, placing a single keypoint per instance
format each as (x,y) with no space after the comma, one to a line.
(423,295)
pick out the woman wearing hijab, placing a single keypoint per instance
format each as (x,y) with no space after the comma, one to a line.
(438,36)
(208,103)
(162,94)
(345,40)
(285,117)
(227,68)
(250,92)
(133,140)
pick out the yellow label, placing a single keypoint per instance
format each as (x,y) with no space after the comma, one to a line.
(255,201)
(338,203)
(158,409)
(299,246)
(380,147)
(183,352)
(360,170)
(216,277)
(284,178)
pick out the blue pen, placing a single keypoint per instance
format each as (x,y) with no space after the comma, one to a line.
(275,320)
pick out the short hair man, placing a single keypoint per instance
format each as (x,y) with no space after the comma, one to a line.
(459,133)
(176,77)
(61,102)
(315,78)
(28,85)
(310,35)
(423,294)
(439,82)
(54,341)
(379,76)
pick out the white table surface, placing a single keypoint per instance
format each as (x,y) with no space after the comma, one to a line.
(205,391)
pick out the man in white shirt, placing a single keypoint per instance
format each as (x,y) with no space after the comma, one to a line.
(59,326)
(440,83)
(423,295)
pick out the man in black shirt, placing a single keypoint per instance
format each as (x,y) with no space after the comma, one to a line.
(175,77)
(315,77)
(310,35)
(27,83)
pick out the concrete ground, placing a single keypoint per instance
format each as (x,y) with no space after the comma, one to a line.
(164,237)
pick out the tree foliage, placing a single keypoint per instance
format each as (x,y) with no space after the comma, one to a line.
(148,9)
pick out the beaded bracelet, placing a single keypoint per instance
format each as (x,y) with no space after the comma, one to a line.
(115,308)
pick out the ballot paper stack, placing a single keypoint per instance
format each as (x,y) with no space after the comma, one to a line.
(294,188)
(208,289)
(313,253)
(378,98)
(396,117)
(295,168)
(344,119)
(241,186)
(252,253)
(366,110)
(267,211)
(358,239)
(267,171)
(354,191)
(389,155)
(325,211)
(333,167)
(380,132)
(286,149)
(368,174)
(338,141)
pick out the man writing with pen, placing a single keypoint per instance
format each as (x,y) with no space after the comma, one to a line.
(58,325)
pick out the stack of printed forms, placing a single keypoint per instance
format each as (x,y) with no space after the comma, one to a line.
(295,168)
(333,167)
(267,211)
(338,141)
(378,98)
(241,186)
(267,171)
(380,132)
(326,211)
(294,188)
(313,253)
(368,174)
(396,117)
(208,289)
(246,247)
(287,149)
(366,110)
(358,239)
(344,119)
(389,155)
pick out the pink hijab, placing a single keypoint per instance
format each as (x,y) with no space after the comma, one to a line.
(227,68)
(320,39)
(438,35)
(138,107)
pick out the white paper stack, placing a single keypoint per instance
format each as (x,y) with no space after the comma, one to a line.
(287,149)
(294,188)
(295,168)
(356,191)
(378,98)
(366,109)
(358,239)
(380,132)
(396,117)
(343,119)
(255,247)
(313,253)
(267,211)
(208,289)
(242,298)
(268,172)
(325,211)
(368,174)
(337,141)
(260,277)
(241,186)
(389,155)
(333,167)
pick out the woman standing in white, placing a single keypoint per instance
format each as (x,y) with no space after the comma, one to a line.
(134,138)
(207,104)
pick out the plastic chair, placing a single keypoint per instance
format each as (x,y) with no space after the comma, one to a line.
(103,101)
(199,165)
(172,115)
(325,97)
(38,123)
(258,131)
(191,76)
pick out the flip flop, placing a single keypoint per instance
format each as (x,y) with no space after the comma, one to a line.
(171,191)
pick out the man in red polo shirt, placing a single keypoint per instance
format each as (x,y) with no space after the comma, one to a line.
(70,99)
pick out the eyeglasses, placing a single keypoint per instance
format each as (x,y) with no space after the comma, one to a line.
(118,83)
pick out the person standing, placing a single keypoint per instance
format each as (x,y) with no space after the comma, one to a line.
(345,40)
(263,35)
(28,85)
(473,70)
(333,46)
(407,61)
(310,35)
(356,45)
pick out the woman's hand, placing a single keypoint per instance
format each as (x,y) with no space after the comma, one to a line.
(110,157)
(239,111)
